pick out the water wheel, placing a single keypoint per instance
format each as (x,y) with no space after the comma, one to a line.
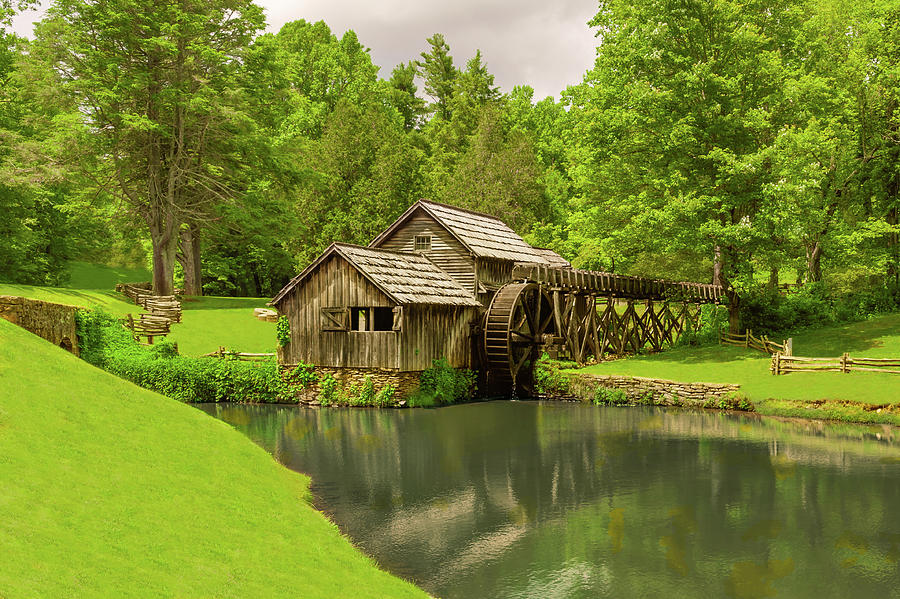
(515,323)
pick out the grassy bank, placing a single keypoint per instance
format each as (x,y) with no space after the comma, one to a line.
(110,490)
(207,322)
(813,395)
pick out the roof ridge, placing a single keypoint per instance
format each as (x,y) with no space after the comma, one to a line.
(474,212)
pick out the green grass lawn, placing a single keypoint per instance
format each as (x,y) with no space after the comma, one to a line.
(84,275)
(114,303)
(109,490)
(878,337)
(207,322)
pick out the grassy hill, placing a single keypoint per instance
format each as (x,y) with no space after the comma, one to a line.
(113,491)
(877,338)
(207,322)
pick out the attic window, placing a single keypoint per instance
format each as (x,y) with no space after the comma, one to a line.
(423,243)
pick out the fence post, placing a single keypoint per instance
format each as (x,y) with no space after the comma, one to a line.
(776,364)
(789,346)
(747,339)
(844,358)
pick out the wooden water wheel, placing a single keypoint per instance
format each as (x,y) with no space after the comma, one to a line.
(516,321)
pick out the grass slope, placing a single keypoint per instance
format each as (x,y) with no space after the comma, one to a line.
(84,275)
(112,491)
(877,338)
(207,322)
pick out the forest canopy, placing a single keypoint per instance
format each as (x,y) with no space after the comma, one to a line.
(745,143)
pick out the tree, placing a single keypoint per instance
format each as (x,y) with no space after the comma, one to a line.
(154,84)
(403,95)
(680,116)
(436,68)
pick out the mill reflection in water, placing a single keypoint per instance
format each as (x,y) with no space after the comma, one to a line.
(540,499)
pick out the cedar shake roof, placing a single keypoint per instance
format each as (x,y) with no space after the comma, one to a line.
(552,258)
(483,235)
(404,277)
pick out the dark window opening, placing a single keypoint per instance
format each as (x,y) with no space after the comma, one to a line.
(359,319)
(423,243)
(382,319)
(371,319)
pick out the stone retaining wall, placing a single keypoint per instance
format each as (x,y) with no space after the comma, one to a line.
(660,391)
(53,322)
(404,382)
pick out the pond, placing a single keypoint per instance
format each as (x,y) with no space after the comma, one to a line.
(551,499)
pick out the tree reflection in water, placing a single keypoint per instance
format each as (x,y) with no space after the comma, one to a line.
(525,499)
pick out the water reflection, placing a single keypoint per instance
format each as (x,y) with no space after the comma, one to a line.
(507,499)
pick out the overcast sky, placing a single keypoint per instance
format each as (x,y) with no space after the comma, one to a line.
(543,43)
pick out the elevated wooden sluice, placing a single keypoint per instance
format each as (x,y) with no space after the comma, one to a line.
(579,314)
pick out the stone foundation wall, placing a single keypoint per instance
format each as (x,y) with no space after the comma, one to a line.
(53,322)
(404,382)
(661,391)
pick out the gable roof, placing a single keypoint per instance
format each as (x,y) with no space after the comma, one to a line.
(406,278)
(553,258)
(483,235)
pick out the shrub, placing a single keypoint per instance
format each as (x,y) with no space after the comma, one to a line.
(713,321)
(385,397)
(327,390)
(159,367)
(445,384)
(547,376)
(609,397)
(283,331)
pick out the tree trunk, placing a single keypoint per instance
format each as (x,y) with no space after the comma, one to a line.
(718,267)
(814,262)
(773,279)
(189,258)
(734,313)
(893,268)
(164,249)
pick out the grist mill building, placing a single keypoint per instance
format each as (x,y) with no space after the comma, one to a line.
(446,282)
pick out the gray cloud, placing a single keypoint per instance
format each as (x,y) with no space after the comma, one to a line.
(545,44)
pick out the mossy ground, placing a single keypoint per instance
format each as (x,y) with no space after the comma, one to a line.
(109,490)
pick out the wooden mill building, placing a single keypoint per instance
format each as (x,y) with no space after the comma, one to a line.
(415,294)
(447,282)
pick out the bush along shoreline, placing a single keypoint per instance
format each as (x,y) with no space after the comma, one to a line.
(105,343)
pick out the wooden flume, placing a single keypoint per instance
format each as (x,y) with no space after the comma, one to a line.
(579,315)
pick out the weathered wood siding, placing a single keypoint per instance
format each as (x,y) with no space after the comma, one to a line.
(448,253)
(336,284)
(430,332)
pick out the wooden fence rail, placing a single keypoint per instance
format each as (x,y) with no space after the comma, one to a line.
(782,364)
(223,353)
(763,344)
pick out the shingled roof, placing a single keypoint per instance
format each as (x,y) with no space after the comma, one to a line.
(404,277)
(484,235)
(553,258)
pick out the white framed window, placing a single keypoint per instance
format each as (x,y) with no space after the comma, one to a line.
(422,243)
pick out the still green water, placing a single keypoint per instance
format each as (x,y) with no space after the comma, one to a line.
(541,499)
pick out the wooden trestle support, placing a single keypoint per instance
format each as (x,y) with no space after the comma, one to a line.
(582,314)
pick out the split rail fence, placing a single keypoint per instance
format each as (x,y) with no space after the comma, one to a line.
(782,364)
(763,344)
(225,353)
(163,311)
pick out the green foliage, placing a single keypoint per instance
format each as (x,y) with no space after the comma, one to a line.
(283,331)
(713,321)
(812,305)
(610,397)
(385,396)
(302,375)
(442,384)
(107,344)
(548,378)
(328,391)
(731,401)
